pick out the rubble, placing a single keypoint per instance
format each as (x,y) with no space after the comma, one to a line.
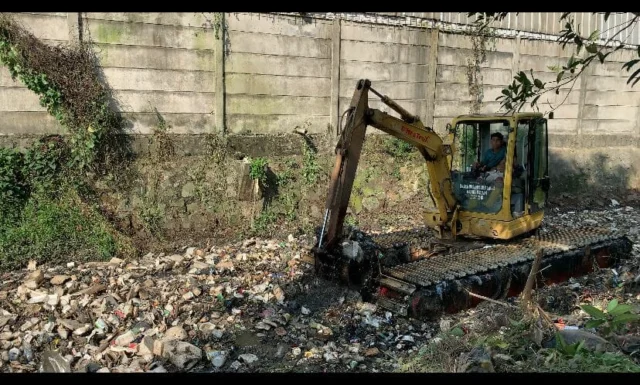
(249,306)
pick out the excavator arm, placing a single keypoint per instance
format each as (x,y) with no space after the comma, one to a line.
(409,129)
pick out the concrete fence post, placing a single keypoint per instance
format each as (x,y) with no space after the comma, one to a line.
(74,23)
(515,59)
(220,77)
(334,110)
(432,76)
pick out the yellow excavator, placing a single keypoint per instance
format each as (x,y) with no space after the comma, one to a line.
(489,184)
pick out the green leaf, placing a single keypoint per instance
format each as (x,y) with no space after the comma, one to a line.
(620,309)
(592,48)
(538,83)
(594,323)
(592,311)
(535,100)
(628,65)
(612,305)
(559,77)
(635,74)
(601,57)
(594,35)
(457,332)
(624,318)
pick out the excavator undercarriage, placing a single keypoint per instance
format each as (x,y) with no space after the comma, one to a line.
(412,273)
(481,239)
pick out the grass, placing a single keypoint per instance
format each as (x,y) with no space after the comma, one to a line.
(57,230)
(513,351)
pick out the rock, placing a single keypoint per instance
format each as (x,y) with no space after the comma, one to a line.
(296,352)
(158,347)
(353,251)
(182,354)
(217,333)
(175,333)
(71,324)
(4,320)
(59,279)
(371,352)
(330,356)
(200,265)
(38,298)
(125,339)
(63,333)
(478,360)
(629,344)
(157,368)
(225,266)
(145,347)
(31,284)
(28,353)
(248,358)
(53,300)
(53,362)
(36,276)
(591,341)
(217,358)
(278,293)
(305,311)
(445,325)
(207,328)
(116,261)
(14,354)
(290,238)
(370,203)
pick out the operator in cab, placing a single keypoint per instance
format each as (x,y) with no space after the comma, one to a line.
(494,155)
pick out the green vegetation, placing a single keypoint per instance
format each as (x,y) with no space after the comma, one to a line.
(590,47)
(45,193)
(258,170)
(513,347)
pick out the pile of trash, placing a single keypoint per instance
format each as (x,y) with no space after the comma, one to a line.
(235,308)
(245,307)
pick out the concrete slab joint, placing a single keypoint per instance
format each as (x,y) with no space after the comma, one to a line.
(336,37)
(432,77)
(220,78)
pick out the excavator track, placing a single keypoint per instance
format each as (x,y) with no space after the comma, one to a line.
(443,282)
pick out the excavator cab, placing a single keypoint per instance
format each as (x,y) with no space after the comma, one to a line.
(506,197)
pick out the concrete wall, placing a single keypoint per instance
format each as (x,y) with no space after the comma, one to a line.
(270,74)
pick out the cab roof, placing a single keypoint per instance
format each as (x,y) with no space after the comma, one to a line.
(517,115)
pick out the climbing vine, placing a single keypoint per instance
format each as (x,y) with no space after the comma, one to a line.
(44,189)
(217,22)
(480,36)
(66,79)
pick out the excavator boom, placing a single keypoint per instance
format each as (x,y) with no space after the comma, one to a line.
(409,129)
